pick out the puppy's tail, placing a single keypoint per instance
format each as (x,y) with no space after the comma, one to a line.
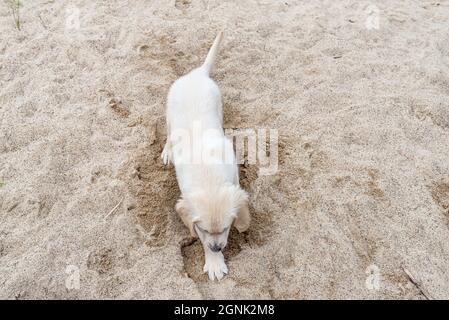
(210,59)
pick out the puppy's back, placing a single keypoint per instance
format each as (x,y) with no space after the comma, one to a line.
(195,95)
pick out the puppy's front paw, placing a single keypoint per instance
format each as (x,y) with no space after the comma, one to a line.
(215,267)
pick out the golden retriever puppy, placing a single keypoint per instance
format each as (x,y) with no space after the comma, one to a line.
(206,169)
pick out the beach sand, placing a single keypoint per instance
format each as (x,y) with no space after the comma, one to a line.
(357,91)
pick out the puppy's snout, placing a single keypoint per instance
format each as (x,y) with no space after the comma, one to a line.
(216,247)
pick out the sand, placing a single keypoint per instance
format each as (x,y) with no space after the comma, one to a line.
(361,108)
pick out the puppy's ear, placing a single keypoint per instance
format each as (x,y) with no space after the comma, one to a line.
(243,217)
(186,215)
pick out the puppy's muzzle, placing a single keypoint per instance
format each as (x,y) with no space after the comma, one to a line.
(216,247)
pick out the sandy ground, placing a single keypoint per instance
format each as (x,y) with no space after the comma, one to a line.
(362,190)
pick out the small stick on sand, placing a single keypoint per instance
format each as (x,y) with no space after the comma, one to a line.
(417,284)
(113,209)
(42,21)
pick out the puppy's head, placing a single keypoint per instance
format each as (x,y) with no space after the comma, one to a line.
(210,214)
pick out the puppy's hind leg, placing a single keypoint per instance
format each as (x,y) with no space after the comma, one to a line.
(167,155)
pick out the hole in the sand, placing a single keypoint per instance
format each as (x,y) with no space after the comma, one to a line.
(193,254)
(248,174)
(260,221)
(153,187)
(193,258)
(260,228)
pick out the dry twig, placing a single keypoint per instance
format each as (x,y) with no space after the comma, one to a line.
(417,284)
(113,209)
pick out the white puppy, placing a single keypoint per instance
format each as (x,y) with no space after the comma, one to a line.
(207,173)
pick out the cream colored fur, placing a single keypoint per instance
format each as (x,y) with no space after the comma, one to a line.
(207,173)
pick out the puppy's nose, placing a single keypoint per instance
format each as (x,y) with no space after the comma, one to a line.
(215,248)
